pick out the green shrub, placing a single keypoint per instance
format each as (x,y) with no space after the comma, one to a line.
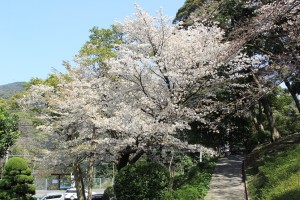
(17,181)
(141,181)
(170,195)
(188,192)
(194,184)
(108,193)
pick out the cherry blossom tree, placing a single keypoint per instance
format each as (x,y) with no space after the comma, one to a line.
(68,113)
(164,66)
(161,77)
(265,31)
(150,92)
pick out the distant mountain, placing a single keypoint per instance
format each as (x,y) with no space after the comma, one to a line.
(8,90)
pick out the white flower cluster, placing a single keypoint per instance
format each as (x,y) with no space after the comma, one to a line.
(140,102)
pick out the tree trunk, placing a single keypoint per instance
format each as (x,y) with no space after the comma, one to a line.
(78,181)
(293,93)
(257,123)
(91,165)
(91,175)
(171,172)
(137,156)
(275,135)
(123,160)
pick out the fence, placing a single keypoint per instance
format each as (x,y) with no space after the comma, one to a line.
(53,184)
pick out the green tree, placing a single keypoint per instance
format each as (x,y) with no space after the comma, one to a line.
(51,80)
(141,181)
(8,130)
(285,112)
(228,13)
(17,181)
(99,48)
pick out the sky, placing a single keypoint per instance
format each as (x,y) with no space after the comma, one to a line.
(36,36)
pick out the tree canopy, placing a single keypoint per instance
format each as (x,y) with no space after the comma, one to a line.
(17,181)
(9,131)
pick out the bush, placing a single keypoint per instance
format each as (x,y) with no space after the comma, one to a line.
(194,184)
(108,193)
(141,181)
(186,192)
(17,181)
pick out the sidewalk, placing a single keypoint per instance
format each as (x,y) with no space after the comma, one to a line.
(227,182)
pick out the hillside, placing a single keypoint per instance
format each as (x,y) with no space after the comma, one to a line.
(8,90)
(273,170)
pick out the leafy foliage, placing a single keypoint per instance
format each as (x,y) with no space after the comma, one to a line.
(286,115)
(193,184)
(52,80)
(99,48)
(108,193)
(189,7)
(141,181)
(17,181)
(8,130)
(227,13)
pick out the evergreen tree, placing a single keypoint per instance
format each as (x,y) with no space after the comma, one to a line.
(17,181)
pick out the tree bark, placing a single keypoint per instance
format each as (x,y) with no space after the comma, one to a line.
(137,156)
(257,123)
(293,93)
(78,181)
(91,165)
(123,160)
(275,135)
(91,175)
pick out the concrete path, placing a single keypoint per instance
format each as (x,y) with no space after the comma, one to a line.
(227,182)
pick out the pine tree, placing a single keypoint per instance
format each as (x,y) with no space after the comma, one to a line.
(17,181)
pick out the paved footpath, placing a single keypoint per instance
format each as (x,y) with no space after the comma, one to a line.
(227,182)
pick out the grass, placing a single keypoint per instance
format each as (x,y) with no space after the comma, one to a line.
(273,170)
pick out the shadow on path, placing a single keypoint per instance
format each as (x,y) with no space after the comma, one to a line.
(227,180)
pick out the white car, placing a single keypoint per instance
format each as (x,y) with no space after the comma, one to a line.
(71,194)
(52,196)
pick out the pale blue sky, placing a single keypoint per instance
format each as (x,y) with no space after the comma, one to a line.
(37,35)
